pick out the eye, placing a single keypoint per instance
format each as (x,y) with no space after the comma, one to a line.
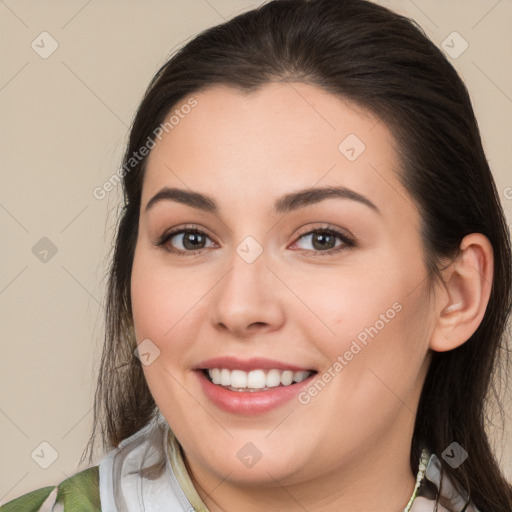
(323,241)
(192,240)
(188,240)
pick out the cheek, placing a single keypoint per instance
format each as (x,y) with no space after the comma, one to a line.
(149,310)
(162,298)
(383,361)
(352,303)
(170,307)
(159,305)
(370,323)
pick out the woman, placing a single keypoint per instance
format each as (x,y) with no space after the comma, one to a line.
(311,279)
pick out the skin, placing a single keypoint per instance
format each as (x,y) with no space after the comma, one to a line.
(348,448)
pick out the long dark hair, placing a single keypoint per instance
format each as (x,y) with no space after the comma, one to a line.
(384,62)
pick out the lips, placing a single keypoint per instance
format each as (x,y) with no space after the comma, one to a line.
(252,386)
(255,363)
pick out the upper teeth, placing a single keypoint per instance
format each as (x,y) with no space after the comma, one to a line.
(256,379)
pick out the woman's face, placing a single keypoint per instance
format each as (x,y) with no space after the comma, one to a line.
(273,279)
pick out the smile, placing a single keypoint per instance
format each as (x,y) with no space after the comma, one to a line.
(253,391)
(254,380)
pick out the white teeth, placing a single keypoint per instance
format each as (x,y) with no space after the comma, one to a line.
(225,377)
(287,378)
(239,379)
(273,379)
(256,379)
(215,375)
(300,376)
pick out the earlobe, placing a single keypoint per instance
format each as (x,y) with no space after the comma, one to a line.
(463,299)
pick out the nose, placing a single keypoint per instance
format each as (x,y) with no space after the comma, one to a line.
(249,299)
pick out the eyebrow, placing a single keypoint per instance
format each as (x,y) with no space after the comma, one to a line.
(285,204)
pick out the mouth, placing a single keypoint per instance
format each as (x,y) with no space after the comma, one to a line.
(251,386)
(256,380)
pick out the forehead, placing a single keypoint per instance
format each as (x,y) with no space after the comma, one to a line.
(245,146)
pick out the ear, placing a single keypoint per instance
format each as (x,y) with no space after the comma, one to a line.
(462,301)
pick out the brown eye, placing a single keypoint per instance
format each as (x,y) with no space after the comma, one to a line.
(184,241)
(191,240)
(325,241)
(322,240)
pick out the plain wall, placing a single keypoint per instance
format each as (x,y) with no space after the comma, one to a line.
(64,122)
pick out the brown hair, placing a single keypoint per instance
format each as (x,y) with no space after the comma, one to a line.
(384,62)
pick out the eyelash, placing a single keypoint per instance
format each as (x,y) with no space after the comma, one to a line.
(348,243)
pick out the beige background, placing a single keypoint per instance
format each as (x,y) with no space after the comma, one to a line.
(64,122)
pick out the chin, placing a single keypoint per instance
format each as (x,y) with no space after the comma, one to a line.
(258,463)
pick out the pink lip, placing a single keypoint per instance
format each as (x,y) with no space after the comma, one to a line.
(249,403)
(255,363)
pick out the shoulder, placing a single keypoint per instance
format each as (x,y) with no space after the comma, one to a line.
(78,493)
